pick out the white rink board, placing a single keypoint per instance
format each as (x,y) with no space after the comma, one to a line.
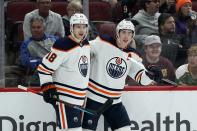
(162,110)
(150,110)
(21,111)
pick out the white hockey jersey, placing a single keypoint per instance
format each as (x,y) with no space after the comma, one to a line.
(67,66)
(109,69)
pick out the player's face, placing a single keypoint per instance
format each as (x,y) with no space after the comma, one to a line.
(153,51)
(192,60)
(80,31)
(125,37)
(37,29)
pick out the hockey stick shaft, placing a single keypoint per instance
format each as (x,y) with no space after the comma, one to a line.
(169,82)
(105,106)
(61,101)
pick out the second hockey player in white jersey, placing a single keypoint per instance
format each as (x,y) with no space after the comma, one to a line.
(111,62)
(64,73)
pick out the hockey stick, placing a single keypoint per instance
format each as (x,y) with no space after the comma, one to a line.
(162,80)
(104,107)
(169,82)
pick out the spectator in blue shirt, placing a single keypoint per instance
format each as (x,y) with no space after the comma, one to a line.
(36,47)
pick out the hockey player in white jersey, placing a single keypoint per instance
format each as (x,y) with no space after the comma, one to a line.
(64,74)
(111,62)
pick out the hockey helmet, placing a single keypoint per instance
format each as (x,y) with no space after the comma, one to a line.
(125,25)
(78,18)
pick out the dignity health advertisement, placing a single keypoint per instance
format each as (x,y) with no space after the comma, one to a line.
(149,110)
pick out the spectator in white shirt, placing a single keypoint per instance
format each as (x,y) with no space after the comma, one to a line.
(53,21)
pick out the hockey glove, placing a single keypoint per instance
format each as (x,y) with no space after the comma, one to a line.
(154,73)
(49,93)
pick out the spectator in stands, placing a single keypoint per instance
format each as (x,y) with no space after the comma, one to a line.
(75,6)
(148,20)
(36,47)
(186,74)
(124,9)
(186,20)
(183,9)
(171,41)
(167,6)
(128,6)
(184,25)
(53,21)
(152,48)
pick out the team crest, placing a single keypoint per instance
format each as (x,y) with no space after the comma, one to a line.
(116,67)
(83,65)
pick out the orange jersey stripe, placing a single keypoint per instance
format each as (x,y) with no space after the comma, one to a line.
(138,78)
(63,115)
(71,92)
(103,91)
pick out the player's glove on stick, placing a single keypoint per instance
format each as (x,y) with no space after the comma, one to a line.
(49,93)
(154,73)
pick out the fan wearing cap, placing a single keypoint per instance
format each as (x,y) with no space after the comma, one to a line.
(112,60)
(64,73)
(152,58)
(186,74)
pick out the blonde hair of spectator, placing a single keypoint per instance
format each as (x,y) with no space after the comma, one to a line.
(75,6)
(192,51)
(37,18)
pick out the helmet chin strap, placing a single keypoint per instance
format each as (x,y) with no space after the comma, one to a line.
(76,39)
(118,40)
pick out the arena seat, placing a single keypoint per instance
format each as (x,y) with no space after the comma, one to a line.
(194,5)
(108,28)
(59,7)
(16,10)
(118,13)
(100,11)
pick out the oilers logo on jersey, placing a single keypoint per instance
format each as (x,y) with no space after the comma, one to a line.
(116,67)
(83,65)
